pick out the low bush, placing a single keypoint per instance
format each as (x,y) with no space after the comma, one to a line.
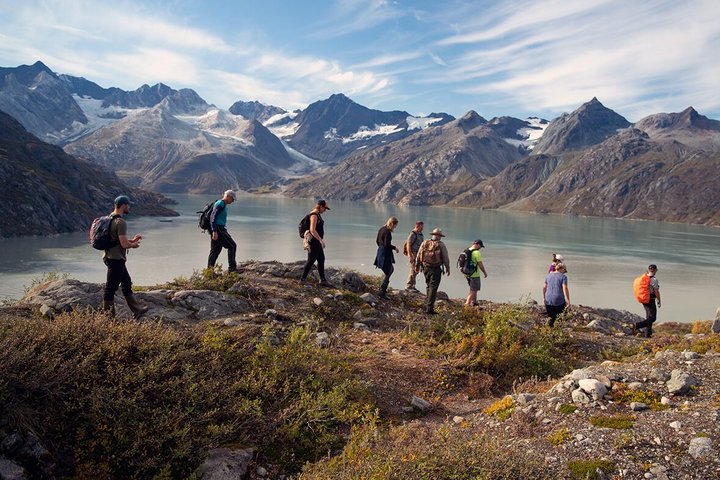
(701,326)
(120,399)
(567,408)
(493,343)
(622,394)
(425,451)
(559,437)
(619,422)
(502,409)
(211,278)
(587,469)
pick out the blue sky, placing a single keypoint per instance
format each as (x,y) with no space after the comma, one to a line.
(517,58)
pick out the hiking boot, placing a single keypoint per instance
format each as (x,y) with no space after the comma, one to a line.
(384,296)
(412,289)
(430,312)
(325,283)
(108,306)
(136,309)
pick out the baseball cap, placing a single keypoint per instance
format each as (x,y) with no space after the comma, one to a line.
(122,200)
(230,194)
(479,242)
(323,203)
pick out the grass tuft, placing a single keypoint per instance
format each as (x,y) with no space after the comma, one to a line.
(619,422)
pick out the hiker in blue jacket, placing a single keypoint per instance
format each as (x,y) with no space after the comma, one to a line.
(219,236)
(384,258)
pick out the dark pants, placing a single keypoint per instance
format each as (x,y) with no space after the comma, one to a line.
(117,275)
(650,317)
(432,280)
(388,271)
(224,240)
(554,311)
(316,253)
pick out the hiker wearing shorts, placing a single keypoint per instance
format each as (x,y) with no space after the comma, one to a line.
(650,307)
(219,236)
(316,249)
(474,279)
(115,258)
(412,245)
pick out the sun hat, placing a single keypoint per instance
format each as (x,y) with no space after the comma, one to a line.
(437,231)
(231,194)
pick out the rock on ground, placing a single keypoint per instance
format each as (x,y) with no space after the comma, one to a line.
(226,464)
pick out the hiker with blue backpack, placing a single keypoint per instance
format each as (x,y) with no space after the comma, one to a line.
(109,234)
(219,236)
(470,263)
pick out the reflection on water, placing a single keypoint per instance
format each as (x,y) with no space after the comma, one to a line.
(603,255)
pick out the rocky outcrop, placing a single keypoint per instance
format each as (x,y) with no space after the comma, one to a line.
(182,305)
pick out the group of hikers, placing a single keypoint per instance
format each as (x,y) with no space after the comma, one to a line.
(427,256)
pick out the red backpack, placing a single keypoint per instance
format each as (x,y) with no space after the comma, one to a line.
(641,288)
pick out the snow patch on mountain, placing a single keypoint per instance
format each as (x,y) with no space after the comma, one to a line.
(302,166)
(97,115)
(284,131)
(421,123)
(530,134)
(219,124)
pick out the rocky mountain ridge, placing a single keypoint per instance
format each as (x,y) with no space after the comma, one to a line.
(600,167)
(430,167)
(47,191)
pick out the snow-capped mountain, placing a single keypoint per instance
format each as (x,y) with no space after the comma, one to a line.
(331,129)
(185,145)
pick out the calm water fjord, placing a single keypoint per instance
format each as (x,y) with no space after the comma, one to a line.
(603,255)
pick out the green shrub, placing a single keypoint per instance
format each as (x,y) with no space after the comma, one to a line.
(491,342)
(567,409)
(623,395)
(502,409)
(559,437)
(425,451)
(211,278)
(128,400)
(587,469)
(620,422)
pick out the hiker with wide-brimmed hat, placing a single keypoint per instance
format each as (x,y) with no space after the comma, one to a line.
(433,258)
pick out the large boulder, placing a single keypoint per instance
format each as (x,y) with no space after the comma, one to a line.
(680,382)
(226,464)
(183,305)
(716,323)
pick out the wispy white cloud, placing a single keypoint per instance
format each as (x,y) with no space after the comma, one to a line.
(620,53)
(514,57)
(352,16)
